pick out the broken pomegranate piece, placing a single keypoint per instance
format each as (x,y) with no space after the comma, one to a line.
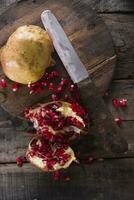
(49,156)
(57,117)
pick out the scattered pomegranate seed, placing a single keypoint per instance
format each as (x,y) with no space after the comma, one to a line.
(19,161)
(3,83)
(51,86)
(123,103)
(44,83)
(118,120)
(66,178)
(39,90)
(46,75)
(54,74)
(15,87)
(115,103)
(89,159)
(59,89)
(63,82)
(72,88)
(78,109)
(56,175)
(67,98)
(54,97)
(31,91)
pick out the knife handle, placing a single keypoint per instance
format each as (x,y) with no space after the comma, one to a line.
(103,126)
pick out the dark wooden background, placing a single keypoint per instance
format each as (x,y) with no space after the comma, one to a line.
(111,179)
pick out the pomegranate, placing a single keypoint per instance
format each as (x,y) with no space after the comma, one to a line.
(56,118)
(49,156)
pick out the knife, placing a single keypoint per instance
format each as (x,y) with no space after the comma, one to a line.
(103,125)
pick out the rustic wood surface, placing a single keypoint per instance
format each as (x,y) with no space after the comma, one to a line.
(111,179)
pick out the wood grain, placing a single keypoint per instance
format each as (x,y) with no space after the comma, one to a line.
(121,28)
(125,6)
(112,179)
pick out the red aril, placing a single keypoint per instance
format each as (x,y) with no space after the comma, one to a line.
(3,83)
(123,103)
(115,103)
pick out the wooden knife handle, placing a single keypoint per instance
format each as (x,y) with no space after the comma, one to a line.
(103,125)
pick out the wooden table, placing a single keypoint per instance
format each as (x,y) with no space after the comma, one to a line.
(110,179)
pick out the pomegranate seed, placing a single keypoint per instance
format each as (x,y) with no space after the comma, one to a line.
(67,98)
(54,97)
(72,88)
(63,82)
(44,83)
(118,120)
(59,152)
(39,89)
(78,109)
(51,86)
(3,83)
(54,74)
(89,159)
(15,87)
(51,163)
(33,85)
(31,91)
(59,89)
(49,136)
(19,161)
(46,75)
(66,178)
(115,103)
(56,175)
(123,103)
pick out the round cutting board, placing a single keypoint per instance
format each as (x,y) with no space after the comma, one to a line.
(87,32)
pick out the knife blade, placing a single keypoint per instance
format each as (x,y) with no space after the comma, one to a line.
(102,123)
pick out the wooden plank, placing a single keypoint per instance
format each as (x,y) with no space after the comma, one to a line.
(111,179)
(98,5)
(121,28)
(112,5)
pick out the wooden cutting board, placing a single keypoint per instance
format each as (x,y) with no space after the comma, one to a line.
(86,31)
